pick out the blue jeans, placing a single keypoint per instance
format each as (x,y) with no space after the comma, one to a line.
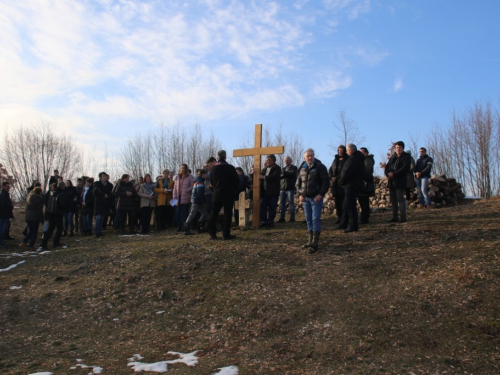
(271,203)
(68,221)
(99,220)
(423,191)
(32,233)
(87,222)
(4,225)
(312,211)
(181,214)
(290,195)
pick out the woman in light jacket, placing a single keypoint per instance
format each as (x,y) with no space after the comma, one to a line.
(183,185)
(148,202)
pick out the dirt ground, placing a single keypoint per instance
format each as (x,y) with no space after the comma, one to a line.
(415,298)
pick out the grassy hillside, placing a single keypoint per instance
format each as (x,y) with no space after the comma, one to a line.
(415,298)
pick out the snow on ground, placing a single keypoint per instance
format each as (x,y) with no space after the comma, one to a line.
(189,359)
(230,370)
(12,266)
(14,287)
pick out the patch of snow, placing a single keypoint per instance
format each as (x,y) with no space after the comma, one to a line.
(12,266)
(13,287)
(187,358)
(95,369)
(41,373)
(229,370)
(160,312)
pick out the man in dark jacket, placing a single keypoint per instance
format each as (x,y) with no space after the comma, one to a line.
(269,191)
(53,179)
(224,181)
(54,215)
(369,188)
(312,185)
(287,191)
(334,173)
(396,170)
(6,208)
(351,179)
(423,173)
(126,193)
(103,193)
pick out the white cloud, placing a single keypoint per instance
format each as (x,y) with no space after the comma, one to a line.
(398,85)
(331,84)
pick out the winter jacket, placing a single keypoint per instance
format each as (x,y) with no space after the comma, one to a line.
(163,199)
(410,178)
(145,197)
(288,177)
(369,188)
(6,205)
(335,171)
(424,165)
(69,199)
(183,192)
(270,185)
(125,202)
(399,166)
(353,172)
(313,180)
(88,199)
(198,193)
(224,181)
(34,208)
(54,202)
(102,206)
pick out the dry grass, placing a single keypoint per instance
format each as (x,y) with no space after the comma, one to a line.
(416,298)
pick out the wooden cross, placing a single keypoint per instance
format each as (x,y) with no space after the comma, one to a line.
(243,205)
(257,152)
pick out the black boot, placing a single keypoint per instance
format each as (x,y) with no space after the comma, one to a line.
(71,234)
(310,240)
(187,232)
(65,233)
(314,244)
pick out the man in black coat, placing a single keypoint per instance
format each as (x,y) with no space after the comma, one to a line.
(126,193)
(269,191)
(224,181)
(103,193)
(351,179)
(423,169)
(334,173)
(6,208)
(288,181)
(396,170)
(369,188)
(54,214)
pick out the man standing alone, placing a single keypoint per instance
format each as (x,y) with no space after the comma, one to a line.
(287,192)
(224,181)
(313,183)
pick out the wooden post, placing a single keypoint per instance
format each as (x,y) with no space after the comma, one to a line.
(257,152)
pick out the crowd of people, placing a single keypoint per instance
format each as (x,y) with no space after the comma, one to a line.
(188,201)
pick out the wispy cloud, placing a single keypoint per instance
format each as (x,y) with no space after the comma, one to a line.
(398,85)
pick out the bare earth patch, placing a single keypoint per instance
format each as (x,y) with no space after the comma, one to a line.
(415,298)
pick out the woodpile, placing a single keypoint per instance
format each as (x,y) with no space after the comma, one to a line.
(443,191)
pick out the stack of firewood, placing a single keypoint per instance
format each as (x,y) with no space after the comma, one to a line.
(443,191)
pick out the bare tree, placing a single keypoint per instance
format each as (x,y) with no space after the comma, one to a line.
(348,131)
(32,153)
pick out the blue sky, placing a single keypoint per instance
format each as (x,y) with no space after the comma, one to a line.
(104,70)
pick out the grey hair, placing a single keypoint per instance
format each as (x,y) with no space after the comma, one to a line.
(309,150)
(352,146)
(288,157)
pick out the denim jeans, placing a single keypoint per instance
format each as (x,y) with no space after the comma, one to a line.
(87,222)
(312,211)
(32,232)
(423,191)
(268,203)
(181,214)
(68,221)
(290,195)
(99,220)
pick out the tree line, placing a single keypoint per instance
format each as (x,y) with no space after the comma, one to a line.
(468,149)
